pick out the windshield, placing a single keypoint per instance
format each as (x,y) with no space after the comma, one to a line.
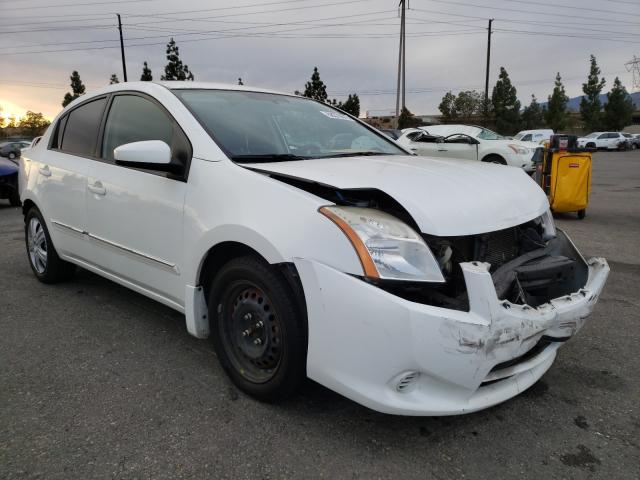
(519,136)
(592,135)
(253,126)
(486,134)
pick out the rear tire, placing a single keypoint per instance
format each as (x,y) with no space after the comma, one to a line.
(11,155)
(257,329)
(45,263)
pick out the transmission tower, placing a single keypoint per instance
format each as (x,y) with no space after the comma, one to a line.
(633,66)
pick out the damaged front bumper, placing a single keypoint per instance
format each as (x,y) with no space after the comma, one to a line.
(402,357)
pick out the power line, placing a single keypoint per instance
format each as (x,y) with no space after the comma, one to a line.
(561,24)
(260,24)
(173,12)
(566,35)
(76,4)
(583,9)
(528,12)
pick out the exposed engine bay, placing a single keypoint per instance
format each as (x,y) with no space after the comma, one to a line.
(527,266)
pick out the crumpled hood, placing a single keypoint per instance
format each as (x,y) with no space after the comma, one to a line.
(445,197)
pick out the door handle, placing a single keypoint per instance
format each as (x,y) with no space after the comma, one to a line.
(44,170)
(443,150)
(97,188)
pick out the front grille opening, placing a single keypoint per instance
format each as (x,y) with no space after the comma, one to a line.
(538,348)
(533,352)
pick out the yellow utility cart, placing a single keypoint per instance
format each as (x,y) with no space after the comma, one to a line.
(565,175)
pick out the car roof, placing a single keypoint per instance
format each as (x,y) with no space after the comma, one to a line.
(180,85)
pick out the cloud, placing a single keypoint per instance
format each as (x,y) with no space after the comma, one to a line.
(277,44)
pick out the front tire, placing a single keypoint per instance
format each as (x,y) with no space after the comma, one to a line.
(258,331)
(497,159)
(45,263)
(11,155)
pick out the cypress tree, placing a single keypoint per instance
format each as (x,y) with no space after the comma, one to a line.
(316,88)
(146,73)
(619,107)
(556,115)
(77,89)
(506,106)
(175,69)
(590,106)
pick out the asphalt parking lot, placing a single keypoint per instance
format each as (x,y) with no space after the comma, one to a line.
(99,382)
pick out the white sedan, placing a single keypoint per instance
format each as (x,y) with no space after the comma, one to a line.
(469,142)
(305,243)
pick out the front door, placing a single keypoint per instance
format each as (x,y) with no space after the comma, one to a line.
(458,146)
(135,216)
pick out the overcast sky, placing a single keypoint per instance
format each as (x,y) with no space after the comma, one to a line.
(354,43)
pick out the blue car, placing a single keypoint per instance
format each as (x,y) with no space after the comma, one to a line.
(9,181)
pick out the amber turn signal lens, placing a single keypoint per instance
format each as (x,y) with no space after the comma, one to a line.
(368,266)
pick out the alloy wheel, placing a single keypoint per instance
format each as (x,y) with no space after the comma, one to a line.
(37,245)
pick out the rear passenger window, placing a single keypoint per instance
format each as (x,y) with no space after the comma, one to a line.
(81,131)
(134,119)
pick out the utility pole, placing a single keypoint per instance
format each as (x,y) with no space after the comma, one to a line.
(486,81)
(124,65)
(401,63)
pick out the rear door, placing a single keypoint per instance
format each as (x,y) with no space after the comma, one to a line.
(135,216)
(61,176)
(602,141)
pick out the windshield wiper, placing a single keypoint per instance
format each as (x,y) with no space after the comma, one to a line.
(267,157)
(356,154)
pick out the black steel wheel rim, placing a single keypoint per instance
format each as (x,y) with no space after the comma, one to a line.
(252,333)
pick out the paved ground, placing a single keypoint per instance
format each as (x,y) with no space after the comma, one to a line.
(99,382)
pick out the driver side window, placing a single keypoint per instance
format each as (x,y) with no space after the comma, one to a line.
(134,119)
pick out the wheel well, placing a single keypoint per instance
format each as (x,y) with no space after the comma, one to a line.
(217,256)
(494,157)
(222,253)
(26,206)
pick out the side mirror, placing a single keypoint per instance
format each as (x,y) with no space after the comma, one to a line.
(150,155)
(473,141)
(154,152)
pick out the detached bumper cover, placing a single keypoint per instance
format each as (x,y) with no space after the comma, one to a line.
(401,357)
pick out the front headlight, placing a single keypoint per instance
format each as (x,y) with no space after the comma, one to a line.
(519,149)
(388,248)
(548,225)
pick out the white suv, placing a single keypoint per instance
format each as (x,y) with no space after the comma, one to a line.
(608,140)
(306,243)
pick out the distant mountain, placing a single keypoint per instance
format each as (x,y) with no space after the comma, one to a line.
(574,103)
